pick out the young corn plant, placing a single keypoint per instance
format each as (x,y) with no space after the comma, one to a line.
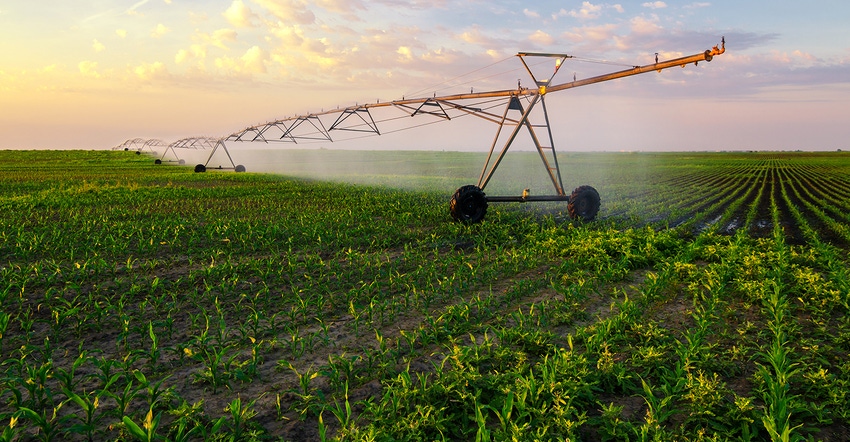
(148,431)
(68,379)
(47,421)
(239,426)
(308,396)
(89,419)
(190,420)
(344,415)
(4,324)
(659,410)
(124,397)
(153,353)
(10,432)
(780,404)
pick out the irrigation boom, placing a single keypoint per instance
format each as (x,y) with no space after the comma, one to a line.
(469,203)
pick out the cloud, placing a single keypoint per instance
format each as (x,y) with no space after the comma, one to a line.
(530,14)
(97,46)
(122,33)
(474,36)
(240,15)
(794,59)
(641,25)
(442,56)
(195,52)
(159,31)
(585,12)
(289,11)
(220,37)
(655,5)
(289,36)
(348,8)
(601,33)
(133,10)
(150,71)
(182,56)
(254,60)
(541,38)
(88,68)
(405,53)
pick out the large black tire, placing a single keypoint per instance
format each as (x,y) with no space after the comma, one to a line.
(200,168)
(469,204)
(584,203)
(157,161)
(240,168)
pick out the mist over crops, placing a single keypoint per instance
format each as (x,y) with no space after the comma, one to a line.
(441,171)
(708,301)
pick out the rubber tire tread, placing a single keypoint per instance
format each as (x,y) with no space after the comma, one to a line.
(468,204)
(584,203)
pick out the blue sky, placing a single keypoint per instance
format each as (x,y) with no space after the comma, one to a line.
(92,73)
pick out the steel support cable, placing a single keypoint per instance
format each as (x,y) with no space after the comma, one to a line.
(369,135)
(606,62)
(491,103)
(518,69)
(434,87)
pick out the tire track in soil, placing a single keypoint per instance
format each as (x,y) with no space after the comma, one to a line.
(761,226)
(793,232)
(716,216)
(753,196)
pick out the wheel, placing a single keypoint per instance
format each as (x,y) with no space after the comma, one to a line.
(240,168)
(584,203)
(157,161)
(181,162)
(138,152)
(200,168)
(469,204)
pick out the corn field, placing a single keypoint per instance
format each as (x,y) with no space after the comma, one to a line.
(708,301)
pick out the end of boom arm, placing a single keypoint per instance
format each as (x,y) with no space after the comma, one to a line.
(707,55)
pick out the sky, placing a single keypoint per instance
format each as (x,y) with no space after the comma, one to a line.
(90,74)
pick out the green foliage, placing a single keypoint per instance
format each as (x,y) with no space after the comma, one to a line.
(143,302)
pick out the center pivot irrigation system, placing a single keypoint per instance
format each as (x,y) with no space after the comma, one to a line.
(469,202)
